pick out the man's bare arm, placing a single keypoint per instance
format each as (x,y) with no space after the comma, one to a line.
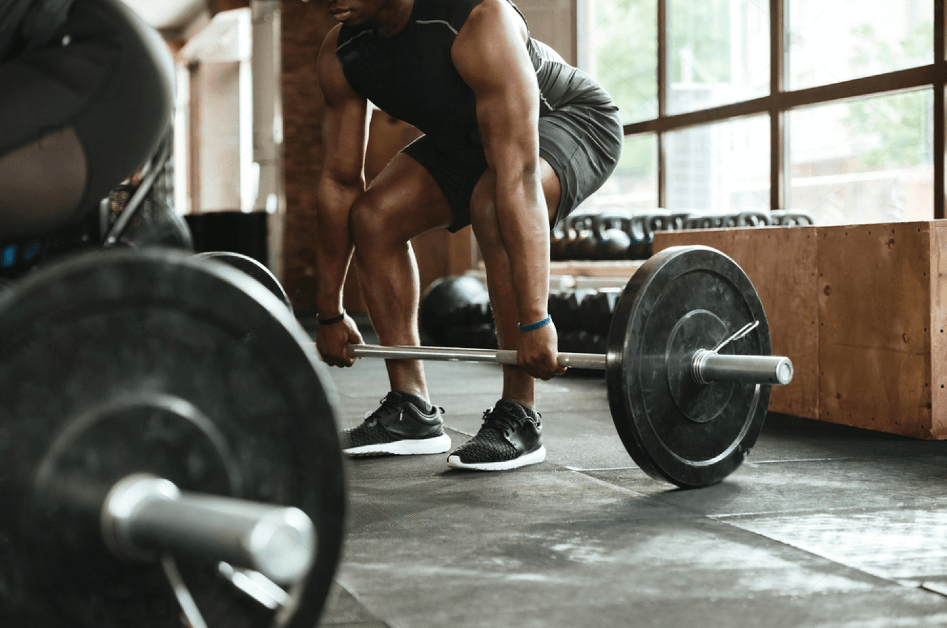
(341,182)
(490,55)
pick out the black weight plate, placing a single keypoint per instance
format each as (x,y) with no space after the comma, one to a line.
(681,300)
(152,361)
(253,268)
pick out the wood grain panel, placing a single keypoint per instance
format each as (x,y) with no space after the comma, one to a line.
(938,329)
(874,311)
(781,263)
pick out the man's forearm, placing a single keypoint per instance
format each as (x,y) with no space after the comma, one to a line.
(524,228)
(333,243)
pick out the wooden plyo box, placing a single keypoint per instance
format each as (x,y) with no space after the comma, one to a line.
(860,309)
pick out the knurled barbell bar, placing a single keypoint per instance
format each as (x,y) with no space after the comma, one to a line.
(688,365)
(706,366)
(168,436)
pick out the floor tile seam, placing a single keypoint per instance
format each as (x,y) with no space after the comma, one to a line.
(753,463)
(933,587)
(373,618)
(458,431)
(808,511)
(622,489)
(833,561)
(872,457)
(665,501)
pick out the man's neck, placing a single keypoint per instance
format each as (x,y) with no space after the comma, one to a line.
(393,17)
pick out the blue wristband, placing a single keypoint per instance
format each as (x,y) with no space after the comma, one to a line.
(535,326)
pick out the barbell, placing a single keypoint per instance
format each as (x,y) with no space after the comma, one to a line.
(706,365)
(688,366)
(170,449)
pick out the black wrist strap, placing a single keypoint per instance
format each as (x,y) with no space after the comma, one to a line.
(331,321)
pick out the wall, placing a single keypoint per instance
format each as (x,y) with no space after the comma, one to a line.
(304,26)
(552,22)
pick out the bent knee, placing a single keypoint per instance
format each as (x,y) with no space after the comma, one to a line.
(372,226)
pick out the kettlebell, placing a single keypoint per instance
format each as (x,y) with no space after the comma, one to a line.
(557,240)
(586,242)
(569,242)
(614,241)
(638,230)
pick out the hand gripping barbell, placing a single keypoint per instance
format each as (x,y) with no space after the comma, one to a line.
(688,365)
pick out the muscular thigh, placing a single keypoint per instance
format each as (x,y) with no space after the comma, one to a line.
(404,200)
(483,201)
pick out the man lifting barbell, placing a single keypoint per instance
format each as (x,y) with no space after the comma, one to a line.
(514,139)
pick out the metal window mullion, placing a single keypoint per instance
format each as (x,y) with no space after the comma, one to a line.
(940,111)
(875,85)
(662,76)
(778,82)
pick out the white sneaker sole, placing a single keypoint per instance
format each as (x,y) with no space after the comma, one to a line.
(535,457)
(436,445)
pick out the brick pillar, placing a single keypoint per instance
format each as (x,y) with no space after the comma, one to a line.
(304,26)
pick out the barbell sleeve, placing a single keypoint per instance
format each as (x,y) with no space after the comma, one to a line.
(145,517)
(708,366)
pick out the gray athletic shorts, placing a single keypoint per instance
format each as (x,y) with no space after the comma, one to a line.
(582,141)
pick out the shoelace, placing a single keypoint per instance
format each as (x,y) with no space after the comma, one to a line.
(370,418)
(500,423)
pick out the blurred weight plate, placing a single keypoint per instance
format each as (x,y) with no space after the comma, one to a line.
(151,361)
(253,268)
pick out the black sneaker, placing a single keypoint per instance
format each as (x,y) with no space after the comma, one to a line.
(398,427)
(508,439)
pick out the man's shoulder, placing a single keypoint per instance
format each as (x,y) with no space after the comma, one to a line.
(455,11)
(332,39)
(490,13)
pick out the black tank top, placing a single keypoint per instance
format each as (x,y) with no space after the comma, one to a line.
(410,75)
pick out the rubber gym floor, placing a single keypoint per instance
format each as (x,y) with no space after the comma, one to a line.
(823,525)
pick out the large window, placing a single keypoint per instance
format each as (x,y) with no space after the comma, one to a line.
(869,160)
(621,52)
(718,52)
(836,40)
(835,107)
(718,167)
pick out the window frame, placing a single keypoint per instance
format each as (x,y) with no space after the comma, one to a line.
(781,101)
